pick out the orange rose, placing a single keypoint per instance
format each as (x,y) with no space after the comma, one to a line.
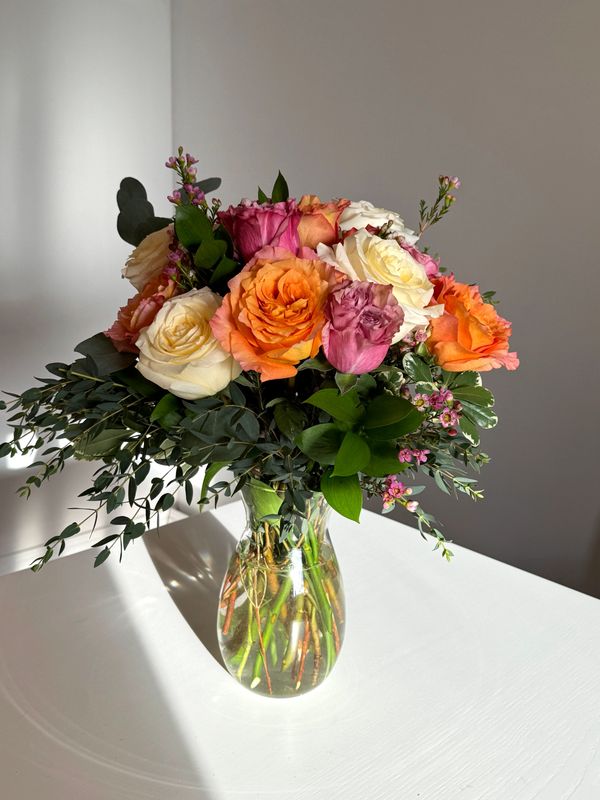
(140,312)
(319,221)
(470,335)
(274,312)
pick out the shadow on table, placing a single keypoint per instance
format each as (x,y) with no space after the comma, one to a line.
(191,557)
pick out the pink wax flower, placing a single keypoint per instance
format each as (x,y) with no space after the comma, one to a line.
(253,226)
(431,266)
(405,455)
(394,490)
(362,318)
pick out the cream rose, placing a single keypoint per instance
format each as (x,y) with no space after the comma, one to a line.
(367,257)
(149,258)
(179,352)
(360,215)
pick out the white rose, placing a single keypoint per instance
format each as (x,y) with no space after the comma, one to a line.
(367,257)
(179,352)
(149,258)
(359,215)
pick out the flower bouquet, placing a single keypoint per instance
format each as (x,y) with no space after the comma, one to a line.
(311,348)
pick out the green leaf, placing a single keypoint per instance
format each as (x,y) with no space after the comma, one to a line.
(136,218)
(101,356)
(343,494)
(135,381)
(211,471)
(167,411)
(103,443)
(264,500)
(224,270)
(387,410)
(208,185)
(321,442)
(101,557)
(474,394)
(262,197)
(455,380)
(416,369)
(483,417)
(70,530)
(280,189)
(192,226)
(353,455)
(318,363)
(344,408)
(469,430)
(345,381)
(289,418)
(209,252)
(384,460)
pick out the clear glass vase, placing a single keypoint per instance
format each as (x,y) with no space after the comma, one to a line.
(281,609)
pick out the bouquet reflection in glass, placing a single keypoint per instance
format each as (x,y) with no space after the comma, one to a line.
(281,620)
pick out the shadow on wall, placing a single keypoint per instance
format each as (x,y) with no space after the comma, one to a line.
(591,580)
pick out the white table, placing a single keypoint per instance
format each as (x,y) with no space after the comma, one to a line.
(469,681)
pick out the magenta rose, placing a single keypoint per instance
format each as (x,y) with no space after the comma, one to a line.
(432,267)
(362,318)
(253,226)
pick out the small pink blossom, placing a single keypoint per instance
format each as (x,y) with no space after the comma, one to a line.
(421,455)
(421,401)
(440,399)
(405,456)
(394,490)
(448,418)
(412,506)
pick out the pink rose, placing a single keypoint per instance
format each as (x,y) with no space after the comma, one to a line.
(139,312)
(253,226)
(432,267)
(362,318)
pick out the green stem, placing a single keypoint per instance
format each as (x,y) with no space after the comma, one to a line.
(286,588)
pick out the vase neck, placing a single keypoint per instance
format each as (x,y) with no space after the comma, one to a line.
(270,528)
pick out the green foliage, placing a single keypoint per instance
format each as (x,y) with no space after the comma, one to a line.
(136,215)
(101,358)
(321,442)
(280,190)
(389,417)
(342,407)
(344,494)
(192,226)
(416,369)
(353,455)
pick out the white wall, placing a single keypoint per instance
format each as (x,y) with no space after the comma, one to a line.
(85,93)
(374,100)
(85,99)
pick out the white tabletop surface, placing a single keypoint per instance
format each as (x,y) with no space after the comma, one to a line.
(468,681)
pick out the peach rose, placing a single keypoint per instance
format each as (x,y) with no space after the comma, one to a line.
(149,258)
(139,312)
(470,335)
(274,312)
(319,221)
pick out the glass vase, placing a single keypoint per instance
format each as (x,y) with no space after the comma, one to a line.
(281,608)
